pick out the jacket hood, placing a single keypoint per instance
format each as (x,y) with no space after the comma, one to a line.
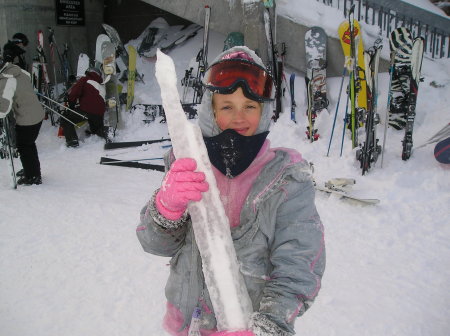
(206,118)
(12,69)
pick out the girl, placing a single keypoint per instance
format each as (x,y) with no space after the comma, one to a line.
(268,196)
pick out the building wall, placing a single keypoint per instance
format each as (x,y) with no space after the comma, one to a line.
(29,16)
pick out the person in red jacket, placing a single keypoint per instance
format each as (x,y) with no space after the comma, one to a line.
(89,94)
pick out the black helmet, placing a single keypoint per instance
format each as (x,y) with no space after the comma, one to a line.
(20,38)
(94,69)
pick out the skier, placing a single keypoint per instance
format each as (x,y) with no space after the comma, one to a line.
(28,115)
(89,93)
(268,196)
(14,50)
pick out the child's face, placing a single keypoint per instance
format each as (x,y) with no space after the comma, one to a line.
(236,111)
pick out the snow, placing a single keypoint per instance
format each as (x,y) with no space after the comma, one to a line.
(71,263)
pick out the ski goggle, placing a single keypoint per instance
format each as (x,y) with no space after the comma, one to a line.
(227,75)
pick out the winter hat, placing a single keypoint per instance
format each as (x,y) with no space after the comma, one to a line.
(206,116)
(20,38)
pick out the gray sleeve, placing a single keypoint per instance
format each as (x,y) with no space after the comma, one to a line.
(7,89)
(159,235)
(297,254)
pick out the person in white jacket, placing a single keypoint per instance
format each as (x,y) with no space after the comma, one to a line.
(28,114)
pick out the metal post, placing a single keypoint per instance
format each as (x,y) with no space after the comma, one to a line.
(359,10)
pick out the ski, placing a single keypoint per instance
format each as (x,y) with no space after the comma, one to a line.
(132,54)
(195,82)
(316,63)
(351,40)
(151,111)
(370,149)
(130,164)
(7,122)
(401,45)
(40,77)
(126,144)
(438,136)
(292,91)
(7,148)
(120,48)
(275,61)
(416,66)
(64,70)
(337,186)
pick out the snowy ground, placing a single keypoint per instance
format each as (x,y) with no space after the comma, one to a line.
(71,264)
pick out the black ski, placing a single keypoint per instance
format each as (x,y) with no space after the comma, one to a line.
(151,111)
(370,149)
(126,144)
(131,164)
(292,91)
(7,150)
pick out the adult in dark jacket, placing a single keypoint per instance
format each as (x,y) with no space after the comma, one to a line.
(14,50)
(89,94)
(28,114)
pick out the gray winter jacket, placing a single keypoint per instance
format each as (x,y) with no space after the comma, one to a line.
(279,245)
(26,106)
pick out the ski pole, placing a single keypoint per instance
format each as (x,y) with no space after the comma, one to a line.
(337,108)
(63,106)
(133,160)
(70,121)
(345,124)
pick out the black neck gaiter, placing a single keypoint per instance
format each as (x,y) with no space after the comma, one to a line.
(231,153)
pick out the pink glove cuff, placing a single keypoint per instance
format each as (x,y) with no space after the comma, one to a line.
(233,333)
(172,215)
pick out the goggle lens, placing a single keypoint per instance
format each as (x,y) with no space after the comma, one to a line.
(225,76)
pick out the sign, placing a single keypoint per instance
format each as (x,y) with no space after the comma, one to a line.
(70,12)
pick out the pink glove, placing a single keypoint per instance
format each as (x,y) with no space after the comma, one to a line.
(180,186)
(233,333)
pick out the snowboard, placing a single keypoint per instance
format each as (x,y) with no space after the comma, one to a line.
(316,63)
(233,39)
(111,97)
(82,65)
(416,67)
(401,44)
(132,54)
(442,151)
(120,48)
(98,48)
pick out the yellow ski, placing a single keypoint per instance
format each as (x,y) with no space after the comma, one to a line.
(131,75)
(354,61)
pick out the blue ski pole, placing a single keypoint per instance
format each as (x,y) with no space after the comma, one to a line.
(337,108)
(345,124)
